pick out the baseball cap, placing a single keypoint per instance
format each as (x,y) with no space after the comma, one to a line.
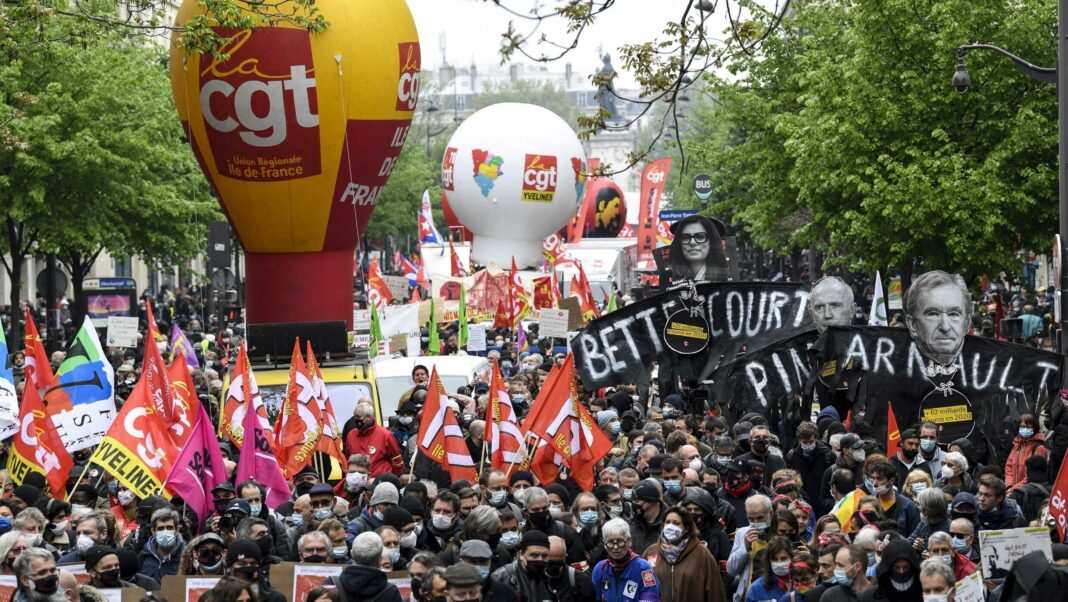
(239,505)
(852,441)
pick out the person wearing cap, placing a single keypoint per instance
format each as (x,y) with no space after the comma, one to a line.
(738,487)
(648,519)
(221,495)
(363,580)
(478,555)
(385,496)
(321,502)
(463,583)
(526,575)
(852,458)
(255,493)
(236,511)
(163,551)
(908,458)
(760,451)
(102,564)
(623,576)
(373,440)
(407,425)
(243,560)
(204,556)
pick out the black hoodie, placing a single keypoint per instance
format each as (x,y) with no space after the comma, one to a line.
(884,589)
(365,583)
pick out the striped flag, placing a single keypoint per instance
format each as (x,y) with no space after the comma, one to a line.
(440,437)
(502,428)
(37,369)
(427,231)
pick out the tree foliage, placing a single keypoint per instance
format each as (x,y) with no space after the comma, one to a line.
(843,132)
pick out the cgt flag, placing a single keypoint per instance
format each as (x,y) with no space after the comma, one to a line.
(329,430)
(233,412)
(257,461)
(440,437)
(502,429)
(296,430)
(38,448)
(199,467)
(1058,501)
(37,369)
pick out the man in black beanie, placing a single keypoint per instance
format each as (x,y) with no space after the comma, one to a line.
(243,558)
(102,564)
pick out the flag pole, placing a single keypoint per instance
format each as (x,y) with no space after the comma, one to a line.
(85,469)
(526,445)
(482,456)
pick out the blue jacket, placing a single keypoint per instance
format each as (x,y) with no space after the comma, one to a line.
(758,592)
(636,582)
(154,566)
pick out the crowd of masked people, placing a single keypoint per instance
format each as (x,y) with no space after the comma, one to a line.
(684,508)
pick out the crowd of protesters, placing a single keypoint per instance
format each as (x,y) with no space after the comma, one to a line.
(703,506)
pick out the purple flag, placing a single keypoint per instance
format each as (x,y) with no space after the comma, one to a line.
(257,461)
(199,467)
(180,344)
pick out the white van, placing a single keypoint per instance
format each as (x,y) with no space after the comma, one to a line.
(394,376)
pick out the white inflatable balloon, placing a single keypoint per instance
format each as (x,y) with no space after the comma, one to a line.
(514,174)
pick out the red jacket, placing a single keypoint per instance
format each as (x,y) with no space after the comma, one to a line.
(1022,449)
(380,446)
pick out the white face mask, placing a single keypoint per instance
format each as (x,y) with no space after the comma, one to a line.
(936,598)
(355,479)
(441,522)
(83,543)
(125,497)
(408,541)
(947,472)
(780,568)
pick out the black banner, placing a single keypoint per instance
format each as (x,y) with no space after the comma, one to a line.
(989,381)
(767,378)
(620,347)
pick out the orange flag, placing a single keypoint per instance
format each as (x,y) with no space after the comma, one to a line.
(893,434)
(186,406)
(440,437)
(329,430)
(296,432)
(502,428)
(500,319)
(38,369)
(457,271)
(36,447)
(377,290)
(232,421)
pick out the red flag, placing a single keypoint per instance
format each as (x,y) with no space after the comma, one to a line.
(580,291)
(186,406)
(591,304)
(848,422)
(199,467)
(543,293)
(296,431)
(502,429)
(500,319)
(38,369)
(155,371)
(329,430)
(517,299)
(257,459)
(415,296)
(654,177)
(454,263)
(546,463)
(233,412)
(377,291)
(893,434)
(627,231)
(1058,501)
(440,437)
(547,405)
(38,448)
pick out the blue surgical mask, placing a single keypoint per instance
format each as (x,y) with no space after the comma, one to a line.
(483,571)
(256,509)
(510,540)
(928,445)
(918,487)
(869,484)
(723,460)
(959,544)
(518,398)
(497,497)
(872,560)
(5,524)
(588,518)
(296,520)
(628,494)
(166,539)
(1027,432)
(394,555)
(378,515)
(948,559)
(614,428)
(322,513)
(339,552)
(673,486)
(841,577)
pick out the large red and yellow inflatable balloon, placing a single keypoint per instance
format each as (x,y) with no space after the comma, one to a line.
(298,133)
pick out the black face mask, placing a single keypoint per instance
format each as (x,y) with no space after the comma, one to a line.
(248,573)
(315,559)
(536,568)
(109,578)
(266,545)
(555,570)
(760,446)
(910,454)
(493,540)
(47,585)
(417,584)
(541,519)
(303,488)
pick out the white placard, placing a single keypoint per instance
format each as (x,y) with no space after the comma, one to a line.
(476,337)
(999,549)
(397,285)
(553,323)
(122,331)
(969,589)
(414,345)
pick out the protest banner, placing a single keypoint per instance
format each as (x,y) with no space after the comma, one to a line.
(186,588)
(969,589)
(122,331)
(553,322)
(999,549)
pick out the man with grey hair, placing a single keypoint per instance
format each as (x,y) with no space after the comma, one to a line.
(38,578)
(374,440)
(937,578)
(938,315)
(363,580)
(758,512)
(934,513)
(831,303)
(162,554)
(313,547)
(538,518)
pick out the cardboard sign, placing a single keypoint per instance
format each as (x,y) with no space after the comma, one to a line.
(999,549)
(403,581)
(186,588)
(553,323)
(8,585)
(574,313)
(122,332)
(476,337)
(304,578)
(969,589)
(398,286)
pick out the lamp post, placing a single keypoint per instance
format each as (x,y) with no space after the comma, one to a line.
(1052,75)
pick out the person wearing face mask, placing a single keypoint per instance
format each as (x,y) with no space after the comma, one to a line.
(57,532)
(623,575)
(930,452)
(897,578)
(355,484)
(703,508)
(38,578)
(686,569)
(402,522)
(482,524)
(760,451)
(559,499)
(92,530)
(102,564)
(936,581)
(373,440)
(775,578)
(243,561)
(1029,441)
(254,493)
(748,540)
(163,551)
(385,496)
(407,425)
(477,555)
(810,458)
(493,485)
(908,456)
(852,457)
(221,495)
(738,488)
(445,523)
(850,581)
(940,546)
(586,509)
(608,421)
(954,472)
(539,518)
(124,507)
(203,556)
(671,477)
(526,575)
(510,534)
(896,506)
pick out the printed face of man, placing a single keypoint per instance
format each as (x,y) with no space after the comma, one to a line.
(939,323)
(831,303)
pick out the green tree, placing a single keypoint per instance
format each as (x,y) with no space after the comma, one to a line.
(845,134)
(399,204)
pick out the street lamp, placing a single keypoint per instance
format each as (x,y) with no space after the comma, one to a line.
(1052,75)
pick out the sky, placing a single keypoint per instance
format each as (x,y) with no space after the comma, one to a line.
(471,30)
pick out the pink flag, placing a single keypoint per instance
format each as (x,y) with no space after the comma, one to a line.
(199,467)
(257,461)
